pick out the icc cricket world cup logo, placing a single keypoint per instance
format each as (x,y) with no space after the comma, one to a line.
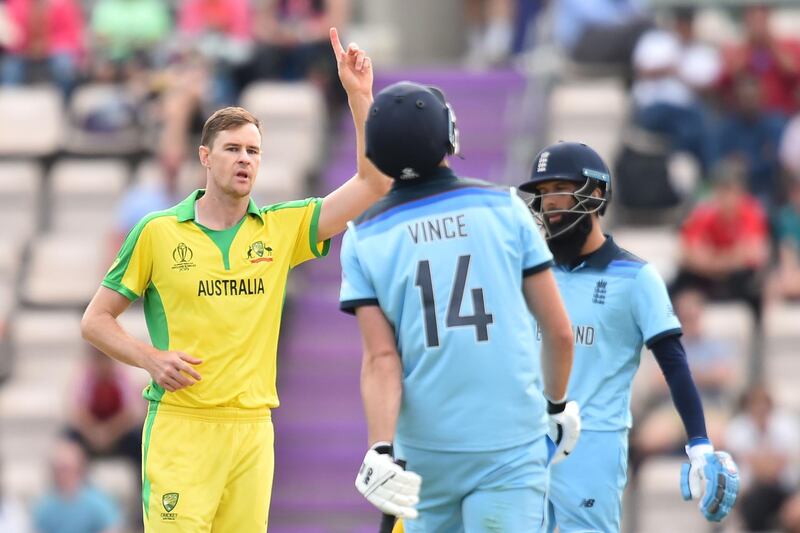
(182,256)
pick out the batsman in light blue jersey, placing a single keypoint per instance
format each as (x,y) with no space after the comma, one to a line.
(617,304)
(442,274)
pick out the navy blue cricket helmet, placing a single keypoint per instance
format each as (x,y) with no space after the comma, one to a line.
(574,162)
(410,129)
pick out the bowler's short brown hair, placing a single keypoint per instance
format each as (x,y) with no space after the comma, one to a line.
(225,119)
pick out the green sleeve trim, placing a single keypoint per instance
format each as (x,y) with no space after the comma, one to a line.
(120,288)
(120,265)
(294,204)
(314,231)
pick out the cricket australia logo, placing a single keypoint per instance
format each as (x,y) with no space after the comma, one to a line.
(169,501)
(542,165)
(182,256)
(599,296)
(258,252)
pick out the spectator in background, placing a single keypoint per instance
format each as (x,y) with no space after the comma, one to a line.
(664,104)
(724,242)
(219,32)
(772,62)
(125,35)
(106,410)
(784,283)
(47,42)
(214,42)
(292,43)
(490,31)
(524,20)
(765,442)
(667,138)
(72,505)
(713,365)
(700,65)
(600,31)
(753,135)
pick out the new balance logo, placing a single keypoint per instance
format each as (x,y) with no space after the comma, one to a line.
(587,503)
(599,296)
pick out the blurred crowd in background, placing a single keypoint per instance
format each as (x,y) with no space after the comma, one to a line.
(709,149)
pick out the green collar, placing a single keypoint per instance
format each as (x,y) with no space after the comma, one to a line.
(185,209)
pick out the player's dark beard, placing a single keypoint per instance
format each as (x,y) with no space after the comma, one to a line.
(566,247)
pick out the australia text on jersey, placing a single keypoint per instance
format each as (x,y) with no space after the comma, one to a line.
(230,287)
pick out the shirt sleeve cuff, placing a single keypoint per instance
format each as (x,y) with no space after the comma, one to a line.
(663,335)
(530,271)
(313,232)
(350,306)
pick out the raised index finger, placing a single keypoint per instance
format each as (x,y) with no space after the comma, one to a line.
(336,44)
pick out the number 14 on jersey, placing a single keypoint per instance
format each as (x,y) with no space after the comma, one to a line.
(480,319)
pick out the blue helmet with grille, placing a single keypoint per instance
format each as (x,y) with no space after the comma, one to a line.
(576,163)
(410,129)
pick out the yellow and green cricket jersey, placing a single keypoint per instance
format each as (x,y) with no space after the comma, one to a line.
(217,295)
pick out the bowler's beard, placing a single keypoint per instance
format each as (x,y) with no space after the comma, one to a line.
(567,247)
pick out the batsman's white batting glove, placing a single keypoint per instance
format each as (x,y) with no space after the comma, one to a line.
(712,477)
(565,428)
(386,485)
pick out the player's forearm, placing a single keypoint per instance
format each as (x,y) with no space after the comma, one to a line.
(102,330)
(544,301)
(377,181)
(557,353)
(381,391)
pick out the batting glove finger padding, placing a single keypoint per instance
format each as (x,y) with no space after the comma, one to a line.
(713,478)
(387,486)
(565,428)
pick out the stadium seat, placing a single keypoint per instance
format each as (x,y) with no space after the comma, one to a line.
(85,193)
(190,177)
(715,26)
(47,330)
(656,245)
(64,270)
(32,407)
(117,478)
(278,183)
(33,121)
(20,189)
(781,322)
(293,121)
(785,21)
(25,479)
(88,179)
(731,321)
(116,133)
(782,364)
(132,321)
(10,251)
(575,115)
(660,507)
